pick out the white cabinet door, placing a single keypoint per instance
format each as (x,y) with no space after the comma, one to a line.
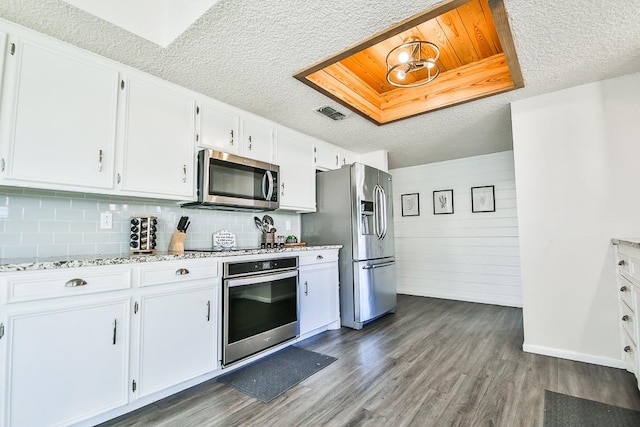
(326,156)
(158,140)
(219,128)
(297,173)
(63,117)
(178,337)
(257,140)
(66,365)
(318,296)
(347,157)
(3,52)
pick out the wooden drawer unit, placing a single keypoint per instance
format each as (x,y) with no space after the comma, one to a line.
(627,295)
(629,322)
(164,272)
(317,257)
(629,354)
(37,285)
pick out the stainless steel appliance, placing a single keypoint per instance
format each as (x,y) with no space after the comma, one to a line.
(260,306)
(229,182)
(354,209)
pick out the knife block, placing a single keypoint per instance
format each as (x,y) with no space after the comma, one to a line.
(176,245)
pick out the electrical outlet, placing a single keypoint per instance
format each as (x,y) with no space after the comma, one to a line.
(106,221)
(287,225)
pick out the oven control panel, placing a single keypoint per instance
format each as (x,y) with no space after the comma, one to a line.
(245,268)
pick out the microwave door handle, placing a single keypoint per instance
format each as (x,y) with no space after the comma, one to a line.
(269,177)
(264,186)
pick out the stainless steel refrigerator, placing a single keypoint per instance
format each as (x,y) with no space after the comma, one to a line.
(355,209)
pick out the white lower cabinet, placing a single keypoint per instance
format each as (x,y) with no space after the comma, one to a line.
(177,337)
(318,288)
(67,364)
(628,286)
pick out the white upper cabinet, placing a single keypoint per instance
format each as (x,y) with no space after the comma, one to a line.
(297,172)
(61,115)
(158,140)
(326,156)
(3,52)
(257,139)
(219,128)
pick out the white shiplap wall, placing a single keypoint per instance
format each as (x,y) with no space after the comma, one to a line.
(464,256)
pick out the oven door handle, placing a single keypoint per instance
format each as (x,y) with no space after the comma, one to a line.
(260,278)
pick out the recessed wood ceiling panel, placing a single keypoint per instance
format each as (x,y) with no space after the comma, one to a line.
(472,63)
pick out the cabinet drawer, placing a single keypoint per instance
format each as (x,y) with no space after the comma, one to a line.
(629,353)
(626,292)
(628,320)
(317,257)
(160,273)
(30,286)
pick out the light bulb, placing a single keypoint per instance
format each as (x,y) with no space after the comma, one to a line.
(403,57)
(401,74)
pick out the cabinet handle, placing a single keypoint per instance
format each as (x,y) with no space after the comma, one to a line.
(621,262)
(118,178)
(306,288)
(184,173)
(282,185)
(337,162)
(208,311)
(250,143)
(627,349)
(75,282)
(99,160)
(181,272)
(231,141)
(115,330)
(625,318)
(623,289)
(2,166)
(319,257)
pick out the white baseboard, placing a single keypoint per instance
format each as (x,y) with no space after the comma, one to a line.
(572,355)
(506,301)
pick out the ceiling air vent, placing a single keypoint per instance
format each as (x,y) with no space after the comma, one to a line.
(331,113)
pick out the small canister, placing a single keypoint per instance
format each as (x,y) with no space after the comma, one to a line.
(143,234)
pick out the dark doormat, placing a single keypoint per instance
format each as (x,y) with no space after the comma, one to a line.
(268,378)
(562,410)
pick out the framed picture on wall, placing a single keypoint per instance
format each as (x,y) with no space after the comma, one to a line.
(410,204)
(442,202)
(483,199)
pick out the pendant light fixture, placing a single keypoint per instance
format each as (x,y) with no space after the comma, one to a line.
(412,64)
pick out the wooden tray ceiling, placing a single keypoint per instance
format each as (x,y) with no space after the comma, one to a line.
(477,59)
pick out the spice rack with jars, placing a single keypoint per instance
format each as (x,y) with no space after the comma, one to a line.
(143,234)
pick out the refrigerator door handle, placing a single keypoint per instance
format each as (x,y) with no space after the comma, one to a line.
(379,211)
(383,204)
(384,264)
(376,212)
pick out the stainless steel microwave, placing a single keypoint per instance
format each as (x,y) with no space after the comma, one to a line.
(230,182)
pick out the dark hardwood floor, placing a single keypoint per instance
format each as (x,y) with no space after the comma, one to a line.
(432,363)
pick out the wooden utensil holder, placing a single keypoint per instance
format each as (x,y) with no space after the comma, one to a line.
(176,245)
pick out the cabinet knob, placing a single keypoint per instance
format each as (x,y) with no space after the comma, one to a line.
(75,282)
(181,272)
(623,289)
(627,349)
(625,318)
(319,257)
(621,263)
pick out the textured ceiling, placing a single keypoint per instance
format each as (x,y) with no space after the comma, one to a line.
(245,53)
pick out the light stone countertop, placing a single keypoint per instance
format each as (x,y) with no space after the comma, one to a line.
(72,261)
(633,242)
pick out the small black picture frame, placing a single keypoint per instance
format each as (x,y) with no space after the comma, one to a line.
(442,202)
(483,199)
(410,204)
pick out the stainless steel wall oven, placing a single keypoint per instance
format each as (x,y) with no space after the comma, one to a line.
(260,306)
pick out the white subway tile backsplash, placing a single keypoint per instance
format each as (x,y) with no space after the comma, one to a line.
(48,223)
